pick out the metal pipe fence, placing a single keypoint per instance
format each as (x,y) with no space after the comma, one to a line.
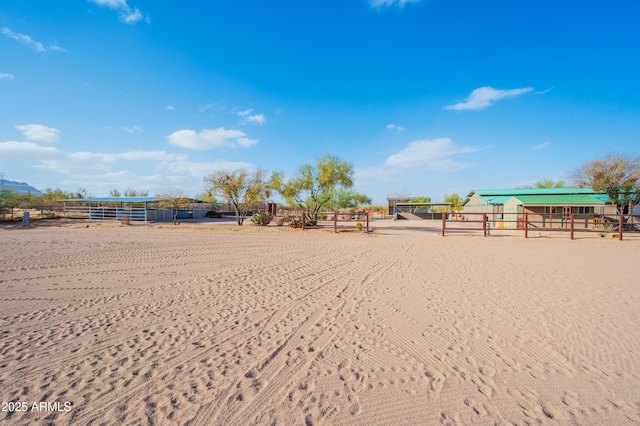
(537,222)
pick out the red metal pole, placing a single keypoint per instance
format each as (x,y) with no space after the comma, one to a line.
(571,224)
(335,222)
(620,226)
(526,224)
(367,221)
(303,220)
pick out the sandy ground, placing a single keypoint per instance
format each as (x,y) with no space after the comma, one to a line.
(219,325)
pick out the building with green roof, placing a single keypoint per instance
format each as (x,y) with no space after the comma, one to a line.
(543,205)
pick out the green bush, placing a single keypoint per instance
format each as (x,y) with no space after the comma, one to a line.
(261,218)
(213,214)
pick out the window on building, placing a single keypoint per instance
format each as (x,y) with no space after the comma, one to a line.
(585,210)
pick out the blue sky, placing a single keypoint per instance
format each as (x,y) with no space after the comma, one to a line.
(424,97)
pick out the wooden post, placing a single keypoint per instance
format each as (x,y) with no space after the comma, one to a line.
(620,226)
(526,224)
(444,222)
(571,224)
(484,224)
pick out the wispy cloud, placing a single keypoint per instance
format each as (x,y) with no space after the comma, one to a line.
(126,13)
(199,169)
(38,132)
(218,106)
(20,150)
(170,108)
(484,97)
(389,3)
(255,118)
(210,138)
(541,146)
(395,127)
(434,154)
(7,76)
(133,129)
(103,171)
(30,42)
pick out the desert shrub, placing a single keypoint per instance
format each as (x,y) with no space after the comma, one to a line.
(213,214)
(322,216)
(281,221)
(359,225)
(261,218)
(294,221)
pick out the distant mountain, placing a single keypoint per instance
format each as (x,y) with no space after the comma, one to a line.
(19,187)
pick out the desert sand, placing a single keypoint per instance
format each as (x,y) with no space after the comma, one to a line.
(220,325)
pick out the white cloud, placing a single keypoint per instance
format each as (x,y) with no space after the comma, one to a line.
(38,132)
(126,13)
(434,154)
(28,41)
(484,97)
(210,138)
(541,146)
(389,3)
(170,108)
(394,127)
(258,119)
(12,149)
(6,76)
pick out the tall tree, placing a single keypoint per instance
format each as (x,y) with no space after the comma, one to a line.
(242,188)
(174,199)
(549,183)
(455,200)
(616,175)
(545,183)
(313,186)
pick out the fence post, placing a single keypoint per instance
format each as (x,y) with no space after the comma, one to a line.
(367,222)
(302,220)
(526,224)
(444,222)
(620,226)
(571,224)
(484,224)
(335,222)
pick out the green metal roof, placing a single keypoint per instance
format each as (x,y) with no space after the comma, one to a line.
(563,200)
(116,199)
(495,200)
(531,191)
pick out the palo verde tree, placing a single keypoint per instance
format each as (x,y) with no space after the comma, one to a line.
(313,186)
(616,175)
(241,188)
(455,200)
(347,199)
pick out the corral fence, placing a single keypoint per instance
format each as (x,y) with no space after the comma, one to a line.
(571,224)
(11,214)
(328,220)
